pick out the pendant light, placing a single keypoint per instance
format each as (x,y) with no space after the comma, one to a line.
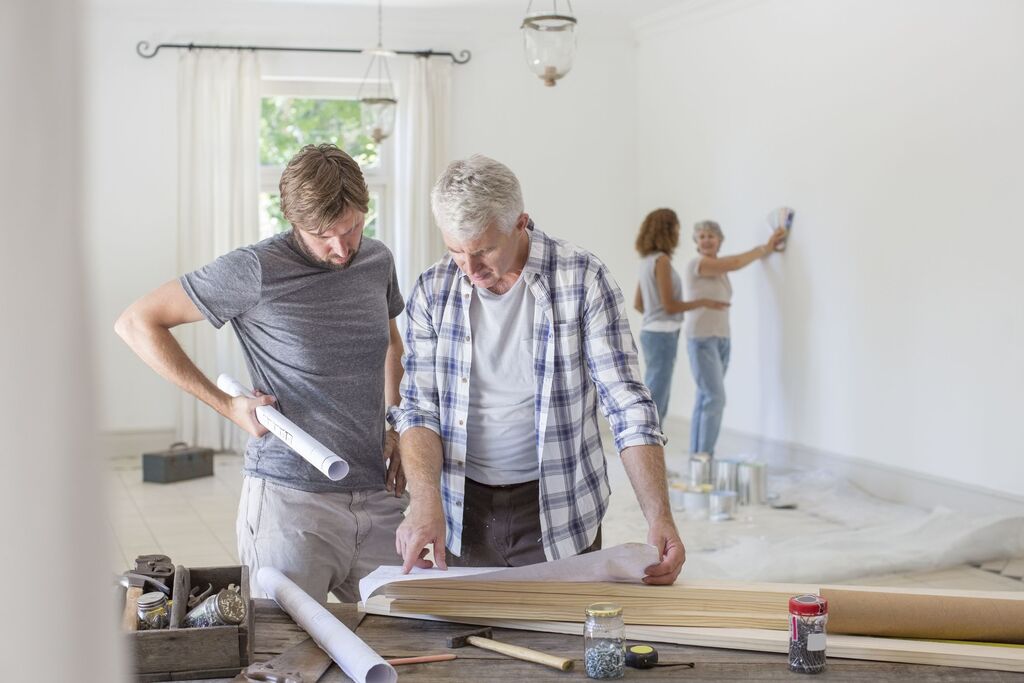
(549,40)
(377,102)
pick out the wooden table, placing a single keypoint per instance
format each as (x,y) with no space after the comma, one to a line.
(396,637)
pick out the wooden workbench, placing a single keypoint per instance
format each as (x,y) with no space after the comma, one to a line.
(396,637)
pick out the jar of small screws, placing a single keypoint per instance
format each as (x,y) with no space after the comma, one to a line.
(604,641)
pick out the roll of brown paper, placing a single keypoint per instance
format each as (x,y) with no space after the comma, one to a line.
(926,613)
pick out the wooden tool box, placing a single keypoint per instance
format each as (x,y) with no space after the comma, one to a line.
(177,653)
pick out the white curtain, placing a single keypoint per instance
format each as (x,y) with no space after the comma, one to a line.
(421,154)
(218,194)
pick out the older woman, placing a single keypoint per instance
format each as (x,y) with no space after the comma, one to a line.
(707,331)
(659,295)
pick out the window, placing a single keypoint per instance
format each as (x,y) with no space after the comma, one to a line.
(294,114)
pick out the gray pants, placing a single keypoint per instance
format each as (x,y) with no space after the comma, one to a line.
(501,526)
(324,542)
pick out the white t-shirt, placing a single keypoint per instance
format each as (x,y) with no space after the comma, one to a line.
(706,322)
(501,435)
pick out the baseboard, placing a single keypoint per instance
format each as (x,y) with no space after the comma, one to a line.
(122,443)
(885,481)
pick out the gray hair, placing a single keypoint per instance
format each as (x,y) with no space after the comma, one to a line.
(710,226)
(473,194)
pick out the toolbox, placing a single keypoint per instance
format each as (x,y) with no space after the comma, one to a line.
(177,463)
(178,653)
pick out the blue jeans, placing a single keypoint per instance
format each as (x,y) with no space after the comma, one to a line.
(660,357)
(709,359)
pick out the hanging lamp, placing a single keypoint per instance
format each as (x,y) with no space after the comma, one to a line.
(549,41)
(377,106)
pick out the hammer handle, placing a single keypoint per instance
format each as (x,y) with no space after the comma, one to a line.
(523,653)
(130,618)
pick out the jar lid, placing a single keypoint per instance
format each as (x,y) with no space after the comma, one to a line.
(151,600)
(230,607)
(603,609)
(808,605)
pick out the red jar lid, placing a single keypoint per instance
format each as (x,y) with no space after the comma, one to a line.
(808,605)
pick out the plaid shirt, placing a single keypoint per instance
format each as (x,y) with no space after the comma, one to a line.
(583,353)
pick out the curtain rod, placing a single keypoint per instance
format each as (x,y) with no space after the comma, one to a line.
(143,49)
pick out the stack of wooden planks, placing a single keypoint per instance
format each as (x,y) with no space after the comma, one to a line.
(737,615)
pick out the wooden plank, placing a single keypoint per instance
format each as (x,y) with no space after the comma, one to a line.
(974,656)
(664,615)
(651,601)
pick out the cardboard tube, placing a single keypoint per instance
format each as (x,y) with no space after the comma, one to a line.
(933,614)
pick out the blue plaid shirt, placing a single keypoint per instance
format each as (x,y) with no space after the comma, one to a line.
(583,354)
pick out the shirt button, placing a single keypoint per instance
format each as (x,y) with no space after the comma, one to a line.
(464,380)
(458,503)
(461,423)
(467,337)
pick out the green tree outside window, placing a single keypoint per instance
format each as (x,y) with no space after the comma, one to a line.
(288,124)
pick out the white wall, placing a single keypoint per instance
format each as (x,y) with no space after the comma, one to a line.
(572,145)
(55,537)
(892,329)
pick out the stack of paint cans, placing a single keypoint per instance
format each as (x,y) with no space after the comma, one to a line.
(713,488)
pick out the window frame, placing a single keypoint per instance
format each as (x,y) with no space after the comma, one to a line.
(379,179)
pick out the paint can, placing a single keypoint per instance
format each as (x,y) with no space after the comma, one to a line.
(722,505)
(677,497)
(696,502)
(700,469)
(725,475)
(752,478)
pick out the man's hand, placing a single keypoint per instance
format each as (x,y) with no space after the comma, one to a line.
(394,479)
(242,411)
(423,526)
(665,538)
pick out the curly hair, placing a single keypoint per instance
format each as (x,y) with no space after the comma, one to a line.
(658,233)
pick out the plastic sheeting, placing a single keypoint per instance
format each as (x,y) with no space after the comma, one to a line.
(838,532)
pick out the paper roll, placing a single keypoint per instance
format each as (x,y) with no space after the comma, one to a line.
(356,658)
(314,452)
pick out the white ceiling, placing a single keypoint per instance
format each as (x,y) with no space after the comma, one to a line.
(620,9)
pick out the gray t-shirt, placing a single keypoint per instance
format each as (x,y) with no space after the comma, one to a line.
(315,338)
(706,322)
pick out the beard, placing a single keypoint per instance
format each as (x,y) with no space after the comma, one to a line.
(300,244)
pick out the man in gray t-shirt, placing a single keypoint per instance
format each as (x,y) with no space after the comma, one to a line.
(314,312)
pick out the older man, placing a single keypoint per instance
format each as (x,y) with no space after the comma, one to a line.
(513,338)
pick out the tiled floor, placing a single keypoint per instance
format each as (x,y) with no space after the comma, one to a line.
(193,522)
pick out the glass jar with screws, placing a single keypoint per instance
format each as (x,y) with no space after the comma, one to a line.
(604,641)
(226,608)
(808,615)
(152,611)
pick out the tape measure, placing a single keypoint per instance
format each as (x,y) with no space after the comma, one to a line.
(641,656)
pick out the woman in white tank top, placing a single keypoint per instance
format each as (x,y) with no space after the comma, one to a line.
(659,296)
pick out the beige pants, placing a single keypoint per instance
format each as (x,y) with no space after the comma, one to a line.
(324,542)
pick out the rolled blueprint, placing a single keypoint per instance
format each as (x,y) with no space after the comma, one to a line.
(317,454)
(355,657)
